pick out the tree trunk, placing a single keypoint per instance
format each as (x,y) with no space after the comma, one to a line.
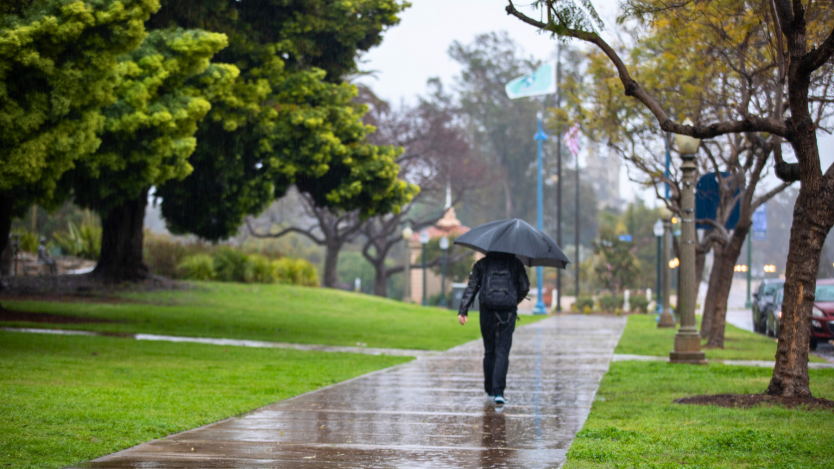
(331,261)
(712,290)
(121,256)
(5,229)
(380,280)
(508,200)
(812,220)
(725,281)
(700,261)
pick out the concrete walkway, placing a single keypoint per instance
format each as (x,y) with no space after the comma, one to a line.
(429,413)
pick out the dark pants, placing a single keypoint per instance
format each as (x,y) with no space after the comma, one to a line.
(498,339)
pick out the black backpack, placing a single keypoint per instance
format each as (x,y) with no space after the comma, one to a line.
(499,291)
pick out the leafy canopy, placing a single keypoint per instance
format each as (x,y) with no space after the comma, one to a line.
(164,89)
(56,59)
(286,121)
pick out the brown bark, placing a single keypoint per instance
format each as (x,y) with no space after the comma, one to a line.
(724,281)
(700,261)
(331,261)
(380,281)
(712,289)
(812,220)
(5,227)
(121,258)
(508,200)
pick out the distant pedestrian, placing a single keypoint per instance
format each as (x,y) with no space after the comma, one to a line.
(502,281)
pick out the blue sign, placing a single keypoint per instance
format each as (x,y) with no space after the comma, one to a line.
(707,199)
(626,238)
(760,223)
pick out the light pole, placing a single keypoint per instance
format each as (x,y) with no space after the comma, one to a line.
(687,339)
(540,137)
(424,240)
(658,232)
(407,234)
(666,318)
(444,246)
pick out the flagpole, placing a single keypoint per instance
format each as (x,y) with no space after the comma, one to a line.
(540,137)
(559,176)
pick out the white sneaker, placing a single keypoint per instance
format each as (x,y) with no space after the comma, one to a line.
(499,399)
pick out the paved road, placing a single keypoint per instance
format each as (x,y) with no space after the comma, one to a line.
(429,413)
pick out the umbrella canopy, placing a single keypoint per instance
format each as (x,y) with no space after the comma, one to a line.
(517,237)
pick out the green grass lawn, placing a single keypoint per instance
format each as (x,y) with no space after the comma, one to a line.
(634,422)
(69,399)
(275,313)
(643,337)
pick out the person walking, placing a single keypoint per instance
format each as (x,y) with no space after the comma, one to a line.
(502,281)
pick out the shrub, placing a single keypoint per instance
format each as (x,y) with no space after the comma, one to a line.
(296,272)
(29,241)
(197,267)
(639,303)
(582,302)
(609,302)
(586,309)
(80,241)
(263,270)
(232,265)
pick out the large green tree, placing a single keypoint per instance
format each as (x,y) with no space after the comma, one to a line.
(56,63)
(292,120)
(164,90)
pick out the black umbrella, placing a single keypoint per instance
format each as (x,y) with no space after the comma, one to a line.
(517,237)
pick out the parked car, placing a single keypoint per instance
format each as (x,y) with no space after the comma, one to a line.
(762,297)
(773,314)
(822,315)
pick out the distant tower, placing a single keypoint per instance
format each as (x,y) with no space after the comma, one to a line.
(604,175)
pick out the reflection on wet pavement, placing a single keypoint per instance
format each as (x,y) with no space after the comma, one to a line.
(429,413)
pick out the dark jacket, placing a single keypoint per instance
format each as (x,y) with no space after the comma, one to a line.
(479,273)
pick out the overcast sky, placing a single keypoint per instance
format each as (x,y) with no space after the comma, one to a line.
(415,50)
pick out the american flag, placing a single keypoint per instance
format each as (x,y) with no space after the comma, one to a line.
(572,139)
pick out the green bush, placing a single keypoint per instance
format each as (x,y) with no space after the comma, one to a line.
(80,241)
(609,303)
(197,267)
(639,303)
(296,272)
(582,302)
(232,265)
(29,241)
(263,270)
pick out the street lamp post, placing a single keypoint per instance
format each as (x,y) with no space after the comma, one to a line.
(424,240)
(687,339)
(666,318)
(407,234)
(540,137)
(658,232)
(444,246)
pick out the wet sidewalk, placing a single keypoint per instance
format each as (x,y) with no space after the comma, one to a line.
(429,413)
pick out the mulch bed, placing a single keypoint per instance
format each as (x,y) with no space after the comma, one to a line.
(84,285)
(12,315)
(747,401)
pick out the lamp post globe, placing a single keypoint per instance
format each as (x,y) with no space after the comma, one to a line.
(444,246)
(424,240)
(407,233)
(687,340)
